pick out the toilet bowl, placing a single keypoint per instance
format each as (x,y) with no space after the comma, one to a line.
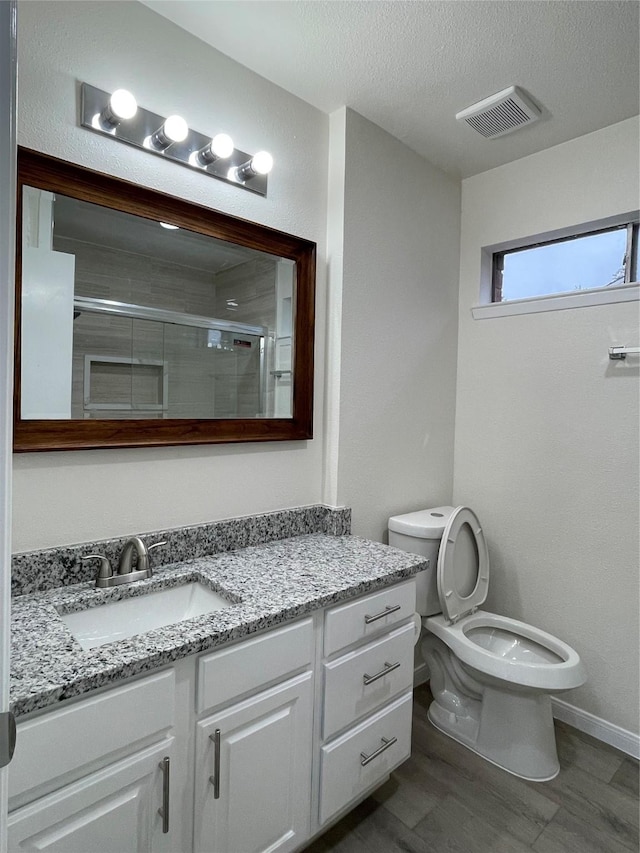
(491,676)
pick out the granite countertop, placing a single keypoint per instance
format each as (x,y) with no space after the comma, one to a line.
(270,584)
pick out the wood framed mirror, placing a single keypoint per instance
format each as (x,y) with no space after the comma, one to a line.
(145,320)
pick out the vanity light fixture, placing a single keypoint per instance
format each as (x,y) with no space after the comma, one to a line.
(117,116)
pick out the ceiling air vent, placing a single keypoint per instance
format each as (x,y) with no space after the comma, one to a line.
(501,113)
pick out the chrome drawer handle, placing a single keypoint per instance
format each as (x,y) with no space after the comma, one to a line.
(165,766)
(388,667)
(386,743)
(388,609)
(215,779)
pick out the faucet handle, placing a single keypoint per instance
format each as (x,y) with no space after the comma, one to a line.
(155,545)
(105,570)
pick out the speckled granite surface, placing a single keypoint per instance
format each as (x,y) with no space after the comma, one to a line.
(36,571)
(269,584)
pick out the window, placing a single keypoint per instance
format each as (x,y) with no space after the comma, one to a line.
(580,262)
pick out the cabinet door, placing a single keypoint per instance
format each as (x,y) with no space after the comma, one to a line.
(114,810)
(262,760)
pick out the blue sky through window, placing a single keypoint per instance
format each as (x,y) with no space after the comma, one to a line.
(579,264)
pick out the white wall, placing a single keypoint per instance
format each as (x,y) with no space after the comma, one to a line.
(546,445)
(395,256)
(69,497)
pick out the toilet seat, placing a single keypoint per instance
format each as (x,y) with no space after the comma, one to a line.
(561,671)
(463,565)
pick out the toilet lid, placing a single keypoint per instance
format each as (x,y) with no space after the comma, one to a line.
(463,565)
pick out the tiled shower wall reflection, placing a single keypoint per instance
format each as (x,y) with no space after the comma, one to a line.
(185,371)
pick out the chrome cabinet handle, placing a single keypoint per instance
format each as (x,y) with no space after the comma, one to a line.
(388,667)
(388,609)
(215,779)
(386,743)
(165,766)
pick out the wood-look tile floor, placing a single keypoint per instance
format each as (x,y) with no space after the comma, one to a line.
(446,799)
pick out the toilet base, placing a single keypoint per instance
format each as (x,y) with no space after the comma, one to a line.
(535,760)
(510,727)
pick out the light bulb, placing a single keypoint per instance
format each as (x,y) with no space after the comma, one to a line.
(176,128)
(170,227)
(220,148)
(123,104)
(262,163)
(222,145)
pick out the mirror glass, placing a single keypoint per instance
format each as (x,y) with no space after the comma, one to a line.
(127,317)
(143,319)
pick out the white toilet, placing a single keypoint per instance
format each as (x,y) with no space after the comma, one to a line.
(491,676)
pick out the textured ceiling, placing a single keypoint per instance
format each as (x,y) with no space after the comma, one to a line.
(410,66)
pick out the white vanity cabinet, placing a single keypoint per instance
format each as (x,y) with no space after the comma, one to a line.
(92,777)
(263,742)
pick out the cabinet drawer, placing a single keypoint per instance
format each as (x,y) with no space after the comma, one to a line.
(46,747)
(344,775)
(230,673)
(367,616)
(361,681)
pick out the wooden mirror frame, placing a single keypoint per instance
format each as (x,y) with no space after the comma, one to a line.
(49,173)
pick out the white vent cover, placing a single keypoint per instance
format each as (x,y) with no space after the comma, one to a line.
(501,113)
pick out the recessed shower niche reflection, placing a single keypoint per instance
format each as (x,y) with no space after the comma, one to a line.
(124,318)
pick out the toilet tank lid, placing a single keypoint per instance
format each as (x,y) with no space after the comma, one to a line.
(423,524)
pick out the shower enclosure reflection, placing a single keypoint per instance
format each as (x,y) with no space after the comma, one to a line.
(124,317)
(129,363)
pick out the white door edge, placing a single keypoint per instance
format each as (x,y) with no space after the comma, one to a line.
(8,67)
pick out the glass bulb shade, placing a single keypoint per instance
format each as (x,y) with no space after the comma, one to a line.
(176,128)
(222,145)
(262,163)
(123,104)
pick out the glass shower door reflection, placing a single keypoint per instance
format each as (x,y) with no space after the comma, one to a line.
(214,373)
(138,367)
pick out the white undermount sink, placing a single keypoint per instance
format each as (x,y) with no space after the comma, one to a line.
(130,616)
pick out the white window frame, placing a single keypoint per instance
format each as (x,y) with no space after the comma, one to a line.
(628,292)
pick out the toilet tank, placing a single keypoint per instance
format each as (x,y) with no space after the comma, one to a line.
(420,533)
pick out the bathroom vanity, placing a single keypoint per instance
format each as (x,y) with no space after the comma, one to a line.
(248,729)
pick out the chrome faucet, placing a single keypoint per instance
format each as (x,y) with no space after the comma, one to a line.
(126,572)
